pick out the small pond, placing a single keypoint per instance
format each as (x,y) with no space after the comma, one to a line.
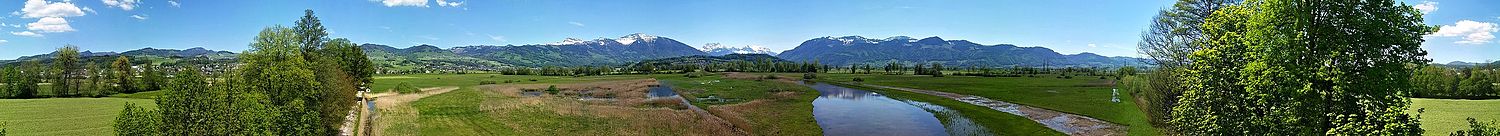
(844,111)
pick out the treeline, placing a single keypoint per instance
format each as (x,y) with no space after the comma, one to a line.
(71,78)
(1477,82)
(293,81)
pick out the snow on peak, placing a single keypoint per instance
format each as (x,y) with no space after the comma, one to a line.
(569,41)
(627,39)
(717,49)
(712,46)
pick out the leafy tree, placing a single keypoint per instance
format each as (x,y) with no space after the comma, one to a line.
(151,78)
(137,121)
(937,70)
(65,69)
(310,35)
(124,75)
(1285,67)
(1175,33)
(95,85)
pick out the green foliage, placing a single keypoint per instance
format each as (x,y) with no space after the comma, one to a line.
(809,76)
(137,121)
(552,89)
(123,76)
(1477,128)
(21,81)
(66,70)
(1272,68)
(406,88)
(152,78)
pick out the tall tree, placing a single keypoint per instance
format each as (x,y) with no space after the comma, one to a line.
(65,69)
(124,75)
(310,34)
(1174,34)
(275,67)
(1288,67)
(151,78)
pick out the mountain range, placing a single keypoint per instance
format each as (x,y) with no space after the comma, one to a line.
(714,49)
(847,50)
(635,48)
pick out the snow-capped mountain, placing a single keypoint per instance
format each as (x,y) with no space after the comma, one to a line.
(715,49)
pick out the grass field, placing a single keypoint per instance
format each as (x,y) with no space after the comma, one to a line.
(1444,116)
(1083,95)
(784,108)
(64,116)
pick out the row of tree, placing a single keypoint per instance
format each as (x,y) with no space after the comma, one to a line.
(70,80)
(1477,82)
(293,81)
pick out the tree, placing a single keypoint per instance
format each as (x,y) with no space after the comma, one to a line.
(65,69)
(1477,128)
(124,75)
(1174,34)
(310,35)
(1124,71)
(151,78)
(1285,67)
(137,121)
(937,70)
(96,86)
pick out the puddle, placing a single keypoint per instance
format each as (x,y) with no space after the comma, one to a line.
(844,111)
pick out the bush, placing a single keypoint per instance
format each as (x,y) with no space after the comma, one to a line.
(406,88)
(552,89)
(769,77)
(488,82)
(809,76)
(1477,128)
(859,79)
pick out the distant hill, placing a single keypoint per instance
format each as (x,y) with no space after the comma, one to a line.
(843,51)
(578,52)
(388,58)
(714,49)
(703,59)
(164,57)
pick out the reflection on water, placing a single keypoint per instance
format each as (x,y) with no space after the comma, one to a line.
(662,90)
(847,112)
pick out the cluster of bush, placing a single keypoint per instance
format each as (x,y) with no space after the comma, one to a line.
(1475,82)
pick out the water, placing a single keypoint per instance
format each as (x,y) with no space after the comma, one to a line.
(844,111)
(663,90)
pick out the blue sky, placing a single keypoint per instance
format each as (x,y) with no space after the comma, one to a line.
(1106,27)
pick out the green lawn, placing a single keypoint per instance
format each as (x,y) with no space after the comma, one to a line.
(1444,116)
(1083,95)
(64,116)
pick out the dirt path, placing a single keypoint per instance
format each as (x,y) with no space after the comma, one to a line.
(397,104)
(1070,124)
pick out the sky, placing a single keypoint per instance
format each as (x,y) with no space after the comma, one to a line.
(1105,27)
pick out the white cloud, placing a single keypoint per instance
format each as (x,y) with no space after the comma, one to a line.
(43,8)
(2,42)
(122,4)
(414,3)
(1473,32)
(174,3)
(445,3)
(497,38)
(1426,6)
(139,17)
(1093,45)
(576,23)
(50,25)
(26,33)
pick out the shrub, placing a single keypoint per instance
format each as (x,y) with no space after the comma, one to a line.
(770,77)
(487,82)
(406,88)
(1477,128)
(809,76)
(859,79)
(552,89)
